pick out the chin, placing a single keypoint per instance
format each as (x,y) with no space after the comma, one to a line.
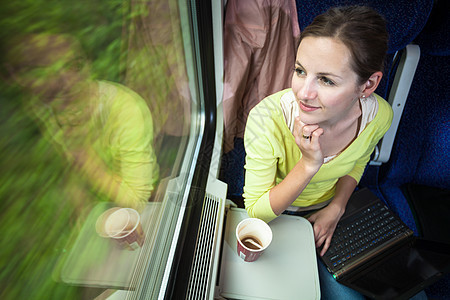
(308,119)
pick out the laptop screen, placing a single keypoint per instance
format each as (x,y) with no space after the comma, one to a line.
(405,272)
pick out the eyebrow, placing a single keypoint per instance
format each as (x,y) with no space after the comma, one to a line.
(320,73)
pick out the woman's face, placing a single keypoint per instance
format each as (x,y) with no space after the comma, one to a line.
(324,84)
(51,69)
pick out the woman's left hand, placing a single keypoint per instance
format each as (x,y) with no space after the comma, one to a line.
(324,223)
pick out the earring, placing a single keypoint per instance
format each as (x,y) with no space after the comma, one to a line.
(363,97)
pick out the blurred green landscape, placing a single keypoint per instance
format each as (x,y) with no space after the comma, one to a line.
(41,200)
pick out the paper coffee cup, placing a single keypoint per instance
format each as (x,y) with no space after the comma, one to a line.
(123,225)
(100,224)
(253,237)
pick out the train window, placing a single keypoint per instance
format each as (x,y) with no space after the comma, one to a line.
(101,117)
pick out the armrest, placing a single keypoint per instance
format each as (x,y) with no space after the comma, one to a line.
(397,98)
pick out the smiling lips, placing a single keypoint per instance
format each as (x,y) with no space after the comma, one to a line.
(307,108)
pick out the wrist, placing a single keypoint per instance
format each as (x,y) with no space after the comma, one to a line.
(308,169)
(337,208)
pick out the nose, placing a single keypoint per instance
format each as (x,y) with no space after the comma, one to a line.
(308,90)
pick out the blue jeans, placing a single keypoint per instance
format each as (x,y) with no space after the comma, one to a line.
(331,289)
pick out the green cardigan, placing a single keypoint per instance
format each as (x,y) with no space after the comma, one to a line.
(271,152)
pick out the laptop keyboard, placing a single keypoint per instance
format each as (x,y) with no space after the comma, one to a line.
(361,233)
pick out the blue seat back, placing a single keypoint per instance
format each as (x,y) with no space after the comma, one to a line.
(421,152)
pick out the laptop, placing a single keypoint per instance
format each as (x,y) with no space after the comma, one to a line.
(374,252)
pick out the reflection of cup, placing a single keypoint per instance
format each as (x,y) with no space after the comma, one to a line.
(123,225)
(253,237)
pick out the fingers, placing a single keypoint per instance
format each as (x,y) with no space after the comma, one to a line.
(317,133)
(307,133)
(326,246)
(321,237)
(320,241)
(319,234)
(312,133)
(304,129)
(307,139)
(312,218)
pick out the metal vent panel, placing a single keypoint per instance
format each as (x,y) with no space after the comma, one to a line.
(200,280)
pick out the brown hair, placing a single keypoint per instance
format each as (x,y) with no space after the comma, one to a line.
(361,29)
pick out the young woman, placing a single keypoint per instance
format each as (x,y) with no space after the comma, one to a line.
(307,146)
(102,128)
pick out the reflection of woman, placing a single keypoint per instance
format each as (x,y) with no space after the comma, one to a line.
(103,128)
(307,146)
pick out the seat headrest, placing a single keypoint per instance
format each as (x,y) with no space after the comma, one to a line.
(435,37)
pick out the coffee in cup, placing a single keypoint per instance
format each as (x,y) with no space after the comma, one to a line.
(123,225)
(253,237)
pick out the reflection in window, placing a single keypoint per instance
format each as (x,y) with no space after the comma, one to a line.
(95,114)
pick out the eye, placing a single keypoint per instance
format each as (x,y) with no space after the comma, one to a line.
(326,81)
(299,71)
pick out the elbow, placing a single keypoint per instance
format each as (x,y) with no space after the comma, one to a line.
(253,212)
